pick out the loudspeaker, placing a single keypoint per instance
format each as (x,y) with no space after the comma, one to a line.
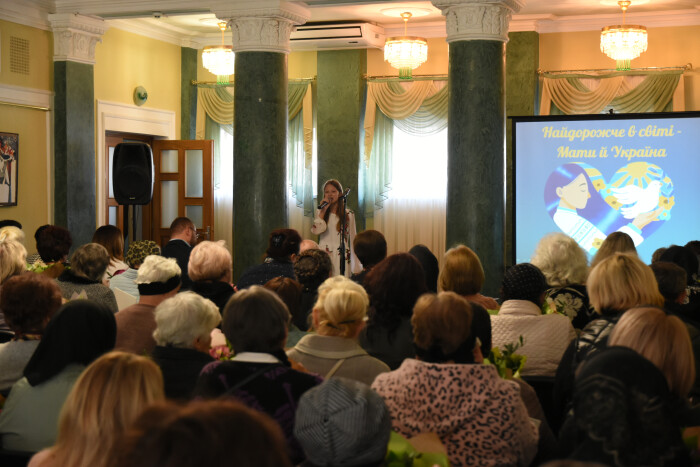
(132,173)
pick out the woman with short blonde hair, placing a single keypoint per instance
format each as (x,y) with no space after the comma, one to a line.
(663,340)
(106,399)
(13,258)
(338,317)
(210,269)
(620,282)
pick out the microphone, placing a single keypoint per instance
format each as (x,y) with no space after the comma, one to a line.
(347,192)
(323,204)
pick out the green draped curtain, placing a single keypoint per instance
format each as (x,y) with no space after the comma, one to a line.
(658,91)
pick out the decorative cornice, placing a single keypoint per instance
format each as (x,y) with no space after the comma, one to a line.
(478,19)
(75,37)
(263,25)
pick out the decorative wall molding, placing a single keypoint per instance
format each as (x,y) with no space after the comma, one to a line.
(125,118)
(478,19)
(29,13)
(26,96)
(75,37)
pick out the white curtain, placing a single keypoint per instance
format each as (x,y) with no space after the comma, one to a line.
(398,117)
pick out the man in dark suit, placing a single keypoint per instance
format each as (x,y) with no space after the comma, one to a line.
(183,236)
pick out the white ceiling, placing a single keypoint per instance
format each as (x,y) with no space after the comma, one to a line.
(191,23)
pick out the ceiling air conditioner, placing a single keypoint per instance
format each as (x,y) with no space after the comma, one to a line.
(314,36)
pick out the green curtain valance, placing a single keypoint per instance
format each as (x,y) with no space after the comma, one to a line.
(652,94)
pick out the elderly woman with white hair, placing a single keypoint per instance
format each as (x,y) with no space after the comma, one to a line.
(565,266)
(211,269)
(183,336)
(338,317)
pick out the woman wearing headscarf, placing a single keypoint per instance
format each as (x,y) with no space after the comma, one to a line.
(78,333)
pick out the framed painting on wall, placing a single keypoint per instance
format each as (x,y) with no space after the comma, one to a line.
(9,153)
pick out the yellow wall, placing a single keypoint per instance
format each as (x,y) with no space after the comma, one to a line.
(302,65)
(126,60)
(32,209)
(667,47)
(40,56)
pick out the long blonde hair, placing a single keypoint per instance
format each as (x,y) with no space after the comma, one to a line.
(105,400)
(663,340)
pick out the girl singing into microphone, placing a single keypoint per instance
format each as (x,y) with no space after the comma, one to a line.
(328,225)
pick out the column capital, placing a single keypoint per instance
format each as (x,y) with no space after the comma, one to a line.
(469,20)
(263,25)
(75,37)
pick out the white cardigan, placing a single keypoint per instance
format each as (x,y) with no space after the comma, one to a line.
(545,337)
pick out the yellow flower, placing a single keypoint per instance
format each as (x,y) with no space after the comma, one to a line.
(597,242)
(613,202)
(598,184)
(667,203)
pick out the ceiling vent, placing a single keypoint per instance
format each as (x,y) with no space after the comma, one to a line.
(315,36)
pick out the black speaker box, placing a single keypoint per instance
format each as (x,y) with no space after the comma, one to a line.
(132,173)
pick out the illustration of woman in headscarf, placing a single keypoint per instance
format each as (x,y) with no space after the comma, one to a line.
(586,217)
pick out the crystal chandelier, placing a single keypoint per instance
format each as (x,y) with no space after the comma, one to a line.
(623,42)
(219,59)
(405,52)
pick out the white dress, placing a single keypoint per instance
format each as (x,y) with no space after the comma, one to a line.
(329,240)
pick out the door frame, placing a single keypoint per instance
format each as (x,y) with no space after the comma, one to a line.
(125,118)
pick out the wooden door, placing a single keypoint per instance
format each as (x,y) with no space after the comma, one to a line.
(114,212)
(184,186)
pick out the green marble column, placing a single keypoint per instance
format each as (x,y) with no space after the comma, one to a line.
(522,61)
(476,152)
(259,148)
(340,106)
(188,93)
(74,153)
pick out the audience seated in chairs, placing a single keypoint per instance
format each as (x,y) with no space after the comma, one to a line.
(616,284)
(447,390)
(137,253)
(106,399)
(158,279)
(112,239)
(282,248)
(338,317)
(183,336)
(84,278)
(217,433)
(370,249)
(545,337)
(29,301)
(13,258)
(260,375)
(565,266)
(393,286)
(343,422)
(210,270)
(53,244)
(311,268)
(78,333)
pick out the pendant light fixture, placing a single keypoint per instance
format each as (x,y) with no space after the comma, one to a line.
(623,42)
(219,59)
(406,52)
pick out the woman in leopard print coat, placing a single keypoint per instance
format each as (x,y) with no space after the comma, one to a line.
(478,416)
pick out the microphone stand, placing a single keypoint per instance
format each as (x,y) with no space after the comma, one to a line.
(341,248)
